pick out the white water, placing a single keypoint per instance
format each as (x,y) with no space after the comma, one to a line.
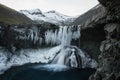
(52,67)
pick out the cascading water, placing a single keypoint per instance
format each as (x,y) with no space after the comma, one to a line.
(63,36)
(70,55)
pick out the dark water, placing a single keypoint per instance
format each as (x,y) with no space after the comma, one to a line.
(28,72)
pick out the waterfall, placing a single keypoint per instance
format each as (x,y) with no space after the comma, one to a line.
(63,36)
(71,55)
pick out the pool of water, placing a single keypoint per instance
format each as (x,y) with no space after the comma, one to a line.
(46,72)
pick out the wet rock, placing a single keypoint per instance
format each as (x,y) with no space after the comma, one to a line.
(112,30)
(113,9)
(109,59)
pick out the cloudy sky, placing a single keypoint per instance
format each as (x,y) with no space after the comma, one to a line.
(67,7)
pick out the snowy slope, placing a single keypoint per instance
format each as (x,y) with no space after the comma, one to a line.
(50,16)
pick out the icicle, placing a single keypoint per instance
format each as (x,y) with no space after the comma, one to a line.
(64,35)
(76,34)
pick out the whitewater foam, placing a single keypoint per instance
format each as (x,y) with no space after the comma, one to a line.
(52,67)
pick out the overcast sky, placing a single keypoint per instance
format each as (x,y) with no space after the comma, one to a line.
(67,7)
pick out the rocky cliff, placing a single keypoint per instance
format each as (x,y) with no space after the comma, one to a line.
(109,59)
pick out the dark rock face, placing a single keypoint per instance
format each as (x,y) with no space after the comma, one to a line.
(109,59)
(113,9)
(91,39)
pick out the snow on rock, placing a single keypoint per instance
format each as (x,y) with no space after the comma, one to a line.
(32,12)
(50,16)
(56,15)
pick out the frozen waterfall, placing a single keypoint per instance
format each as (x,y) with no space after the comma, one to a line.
(63,54)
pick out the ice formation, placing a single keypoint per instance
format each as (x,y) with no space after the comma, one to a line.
(63,35)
